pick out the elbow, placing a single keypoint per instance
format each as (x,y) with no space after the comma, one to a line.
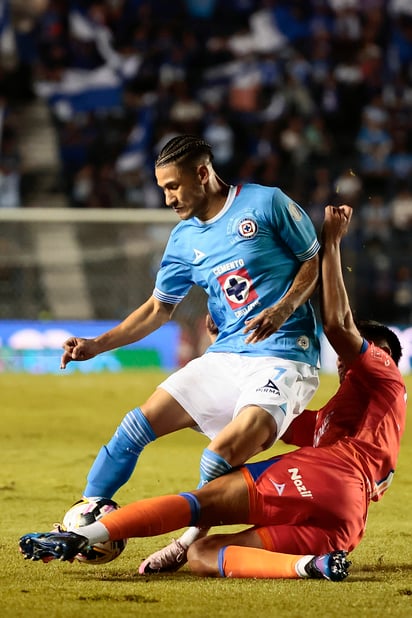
(336,326)
(162,311)
(312,273)
(332,329)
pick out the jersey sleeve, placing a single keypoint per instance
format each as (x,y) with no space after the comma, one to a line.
(173,280)
(295,227)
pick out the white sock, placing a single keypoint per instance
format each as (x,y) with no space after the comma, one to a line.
(191,534)
(301,564)
(95,532)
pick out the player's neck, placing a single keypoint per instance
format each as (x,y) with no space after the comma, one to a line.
(217,197)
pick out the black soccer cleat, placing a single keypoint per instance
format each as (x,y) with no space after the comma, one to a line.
(48,546)
(332,566)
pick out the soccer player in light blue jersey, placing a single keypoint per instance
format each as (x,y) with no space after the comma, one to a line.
(255,253)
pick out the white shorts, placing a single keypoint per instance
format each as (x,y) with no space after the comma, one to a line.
(215,387)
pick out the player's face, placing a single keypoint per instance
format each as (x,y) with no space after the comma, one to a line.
(184,189)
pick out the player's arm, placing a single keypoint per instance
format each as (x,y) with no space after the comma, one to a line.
(144,320)
(272,318)
(337,318)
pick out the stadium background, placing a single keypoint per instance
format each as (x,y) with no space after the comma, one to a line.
(314,97)
(89,91)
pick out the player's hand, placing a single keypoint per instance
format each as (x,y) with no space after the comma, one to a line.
(77,349)
(266,323)
(336,222)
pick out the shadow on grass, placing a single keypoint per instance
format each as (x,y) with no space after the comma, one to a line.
(382,572)
(92,573)
(365,573)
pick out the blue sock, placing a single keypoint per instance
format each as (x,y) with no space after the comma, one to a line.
(212,465)
(116,460)
(194,507)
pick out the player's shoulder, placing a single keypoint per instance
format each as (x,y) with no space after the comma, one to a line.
(263,198)
(182,227)
(255,188)
(375,360)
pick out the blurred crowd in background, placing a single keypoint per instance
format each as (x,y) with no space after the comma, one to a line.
(313,96)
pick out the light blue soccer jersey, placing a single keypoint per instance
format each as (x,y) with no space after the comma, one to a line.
(245,259)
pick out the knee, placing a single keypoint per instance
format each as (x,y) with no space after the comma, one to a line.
(252,431)
(260,425)
(202,558)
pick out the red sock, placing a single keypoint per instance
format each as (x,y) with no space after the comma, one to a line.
(258,563)
(148,517)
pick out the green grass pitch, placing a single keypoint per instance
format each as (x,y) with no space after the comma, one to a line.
(52,427)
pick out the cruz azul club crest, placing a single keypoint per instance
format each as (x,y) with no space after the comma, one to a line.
(247,228)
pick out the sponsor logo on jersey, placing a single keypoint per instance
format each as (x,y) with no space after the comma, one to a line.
(224,268)
(278,486)
(303,342)
(247,228)
(198,255)
(238,289)
(296,479)
(245,310)
(294,211)
(270,387)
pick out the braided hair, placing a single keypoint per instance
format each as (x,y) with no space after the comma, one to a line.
(182,148)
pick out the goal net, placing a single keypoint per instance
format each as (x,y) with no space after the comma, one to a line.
(70,264)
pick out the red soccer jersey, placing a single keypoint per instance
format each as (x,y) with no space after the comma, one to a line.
(366,418)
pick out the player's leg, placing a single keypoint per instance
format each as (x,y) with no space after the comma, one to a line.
(243,437)
(278,390)
(242,555)
(273,392)
(223,501)
(115,462)
(293,498)
(249,433)
(203,554)
(174,405)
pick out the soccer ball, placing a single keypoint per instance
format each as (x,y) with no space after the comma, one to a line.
(85,512)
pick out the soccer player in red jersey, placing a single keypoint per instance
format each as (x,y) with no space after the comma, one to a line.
(308,508)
